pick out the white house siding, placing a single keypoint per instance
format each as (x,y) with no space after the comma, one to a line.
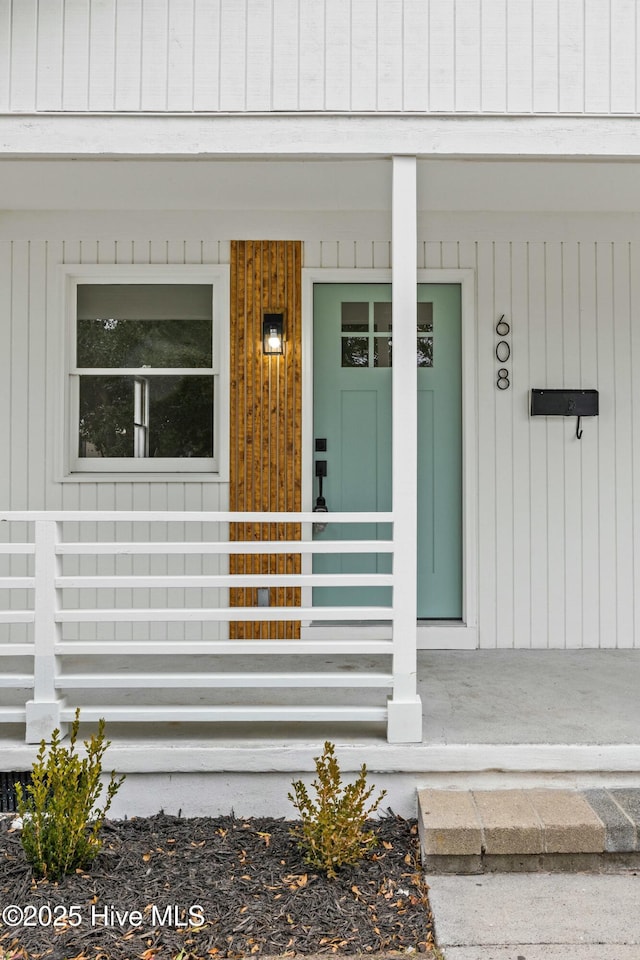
(29,428)
(449,56)
(558,537)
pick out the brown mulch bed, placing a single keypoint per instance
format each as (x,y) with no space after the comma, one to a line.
(245,879)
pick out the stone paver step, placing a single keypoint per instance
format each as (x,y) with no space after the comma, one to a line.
(477,828)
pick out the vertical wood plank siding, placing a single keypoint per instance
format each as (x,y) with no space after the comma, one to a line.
(467,56)
(266,422)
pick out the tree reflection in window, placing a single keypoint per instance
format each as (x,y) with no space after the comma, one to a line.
(425,351)
(376,348)
(355,351)
(180,419)
(140,331)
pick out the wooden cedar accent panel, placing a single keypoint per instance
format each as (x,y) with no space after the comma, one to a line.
(266,422)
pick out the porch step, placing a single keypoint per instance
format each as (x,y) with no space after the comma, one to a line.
(480,831)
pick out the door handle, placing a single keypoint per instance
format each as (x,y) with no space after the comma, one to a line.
(321,503)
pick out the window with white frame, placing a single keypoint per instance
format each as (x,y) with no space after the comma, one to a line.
(143,375)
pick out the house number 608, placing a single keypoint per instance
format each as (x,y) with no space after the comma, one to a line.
(503,353)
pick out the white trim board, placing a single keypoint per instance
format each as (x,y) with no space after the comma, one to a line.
(453,637)
(171,135)
(435,635)
(313,226)
(251,757)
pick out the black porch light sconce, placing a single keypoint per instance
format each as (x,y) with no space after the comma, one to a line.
(272,334)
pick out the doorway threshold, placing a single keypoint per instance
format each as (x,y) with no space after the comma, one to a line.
(431,634)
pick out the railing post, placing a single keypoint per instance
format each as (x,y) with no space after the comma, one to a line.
(43,713)
(404,708)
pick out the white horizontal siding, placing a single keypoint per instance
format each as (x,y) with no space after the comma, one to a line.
(470,56)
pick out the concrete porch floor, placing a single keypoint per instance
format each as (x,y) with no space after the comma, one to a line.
(531,696)
(492,719)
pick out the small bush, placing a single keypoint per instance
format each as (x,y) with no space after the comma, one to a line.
(60,821)
(333,832)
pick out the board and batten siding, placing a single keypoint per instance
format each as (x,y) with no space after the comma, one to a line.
(29,318)
(434,56)
(558,535)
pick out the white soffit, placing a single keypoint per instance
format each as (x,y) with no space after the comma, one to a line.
(194,185)
(573,186)
(309,185)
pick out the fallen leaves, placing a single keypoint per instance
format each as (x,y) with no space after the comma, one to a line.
(296,881)
(257,896)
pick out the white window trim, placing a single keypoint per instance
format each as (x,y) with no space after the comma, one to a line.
(69,467)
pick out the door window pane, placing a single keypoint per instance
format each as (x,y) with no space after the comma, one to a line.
(355,351)
(355,317)
(425,351)
(425,318)
(382,352)
(381,317)
(376,350)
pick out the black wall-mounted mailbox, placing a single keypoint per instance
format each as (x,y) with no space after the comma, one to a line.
(564,403)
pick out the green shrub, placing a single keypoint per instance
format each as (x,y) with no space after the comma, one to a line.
(60,820)
(333,830)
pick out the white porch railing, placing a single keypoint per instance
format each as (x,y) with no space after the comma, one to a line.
(82,655)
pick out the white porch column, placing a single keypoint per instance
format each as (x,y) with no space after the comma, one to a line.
(405,708)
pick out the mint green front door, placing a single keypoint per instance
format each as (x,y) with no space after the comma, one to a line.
(352,359)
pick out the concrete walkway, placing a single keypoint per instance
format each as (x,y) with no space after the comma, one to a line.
(541,907)
(537,916)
